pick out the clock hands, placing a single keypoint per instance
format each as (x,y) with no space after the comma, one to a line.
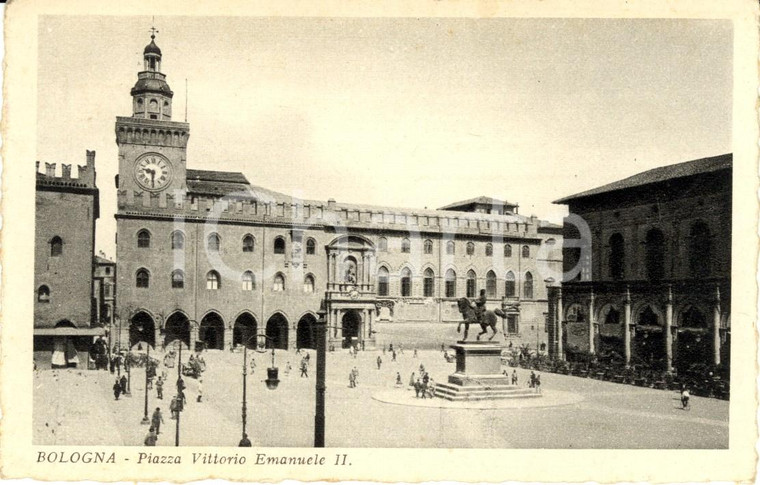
(152,176)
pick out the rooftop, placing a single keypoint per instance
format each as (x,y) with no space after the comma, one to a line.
(479,200)
(657,175)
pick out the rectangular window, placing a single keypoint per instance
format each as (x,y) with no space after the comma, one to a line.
(512,327)
(428,287)
(382,287)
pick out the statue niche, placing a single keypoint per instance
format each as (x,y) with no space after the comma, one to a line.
(349,270)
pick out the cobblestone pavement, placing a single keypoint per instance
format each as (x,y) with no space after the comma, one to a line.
(77,407)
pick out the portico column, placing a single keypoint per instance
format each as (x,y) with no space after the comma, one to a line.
(716,327)
(668,331)
(560,318)
(360,271)
(627,327)
(591,323)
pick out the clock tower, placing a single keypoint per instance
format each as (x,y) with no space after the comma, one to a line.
(152,147)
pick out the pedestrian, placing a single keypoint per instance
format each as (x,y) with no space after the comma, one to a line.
(383,349)
(304,369)
(422,369)
(412,380)
(685,396)
(390,347)
(116,389)
(288,368)
(151,438)
(538,383)
(174,407)
(123,383)
(253,365)
(417,388)
(431,388)
(180,384)
(532,379)
(245,442)
(156,420)
(398,380)
(400,348)
(415,352)
(514,377)
(351,381)
(112,364)
(379,362)
(356,351)
(200,390)
(356,375)
(393,356)
(160,388)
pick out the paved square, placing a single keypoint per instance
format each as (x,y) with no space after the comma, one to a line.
(77,407)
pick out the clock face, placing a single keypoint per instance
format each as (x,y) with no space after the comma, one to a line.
(153,171)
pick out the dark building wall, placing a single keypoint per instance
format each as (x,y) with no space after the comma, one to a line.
(70,216)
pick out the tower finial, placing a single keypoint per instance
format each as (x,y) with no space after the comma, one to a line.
(153,28)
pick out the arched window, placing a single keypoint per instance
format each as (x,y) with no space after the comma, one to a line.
(509,284)
(526,252)
(699,250)
(406,282)
(406,246)
(528,286)
(472,284)
(428,246)
(617,256)
(56,246)
(382,244)
(655,254)
(43,294)
(143,239)
(142,278)
(489,249)
(450,248)
(178,279)
(491,284)
(248,244)
(178,240)
(248,281)
(213,242)
(507,250)
(279,245)
(308,284)
(311,246)
(212,280)
(428,283)
(451,284)
(470,249)
(382,281)
(693,318)
(278,283)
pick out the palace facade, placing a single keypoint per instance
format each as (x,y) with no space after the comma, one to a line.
(652,280)
(206,256)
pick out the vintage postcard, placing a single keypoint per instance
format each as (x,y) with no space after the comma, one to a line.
(462,241)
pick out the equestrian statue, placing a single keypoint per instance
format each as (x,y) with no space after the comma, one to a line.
(475,312)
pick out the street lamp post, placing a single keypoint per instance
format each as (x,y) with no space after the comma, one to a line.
(319,410)
(145,419)
(271,381)
(179,392)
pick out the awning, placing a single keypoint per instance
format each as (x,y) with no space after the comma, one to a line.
(70,332)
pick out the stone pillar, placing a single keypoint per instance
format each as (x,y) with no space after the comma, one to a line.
(591,332)
(669,331)
(627,327)
(716,327)
(363,329)
(360,271)
(560,318)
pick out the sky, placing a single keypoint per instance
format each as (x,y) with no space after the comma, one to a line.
(397,112)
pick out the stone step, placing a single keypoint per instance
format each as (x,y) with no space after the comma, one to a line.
(474,393)
(475,387)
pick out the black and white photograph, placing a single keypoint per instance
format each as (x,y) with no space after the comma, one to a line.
(291,233)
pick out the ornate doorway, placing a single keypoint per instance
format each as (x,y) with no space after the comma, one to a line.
(351,326)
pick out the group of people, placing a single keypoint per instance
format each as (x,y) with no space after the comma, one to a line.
(424,386)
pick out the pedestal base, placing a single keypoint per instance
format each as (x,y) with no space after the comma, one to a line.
(478,375)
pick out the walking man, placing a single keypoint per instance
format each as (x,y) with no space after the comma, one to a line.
(379,362)
(123,383)
(304,368)
(514,377)
(393,356)
(116,389)
(156,420)
(160,388)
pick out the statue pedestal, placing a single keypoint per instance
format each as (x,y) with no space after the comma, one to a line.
(478,375)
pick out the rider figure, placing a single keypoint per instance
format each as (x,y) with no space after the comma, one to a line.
(480,306)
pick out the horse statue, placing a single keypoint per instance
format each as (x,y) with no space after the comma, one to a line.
(489,319)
